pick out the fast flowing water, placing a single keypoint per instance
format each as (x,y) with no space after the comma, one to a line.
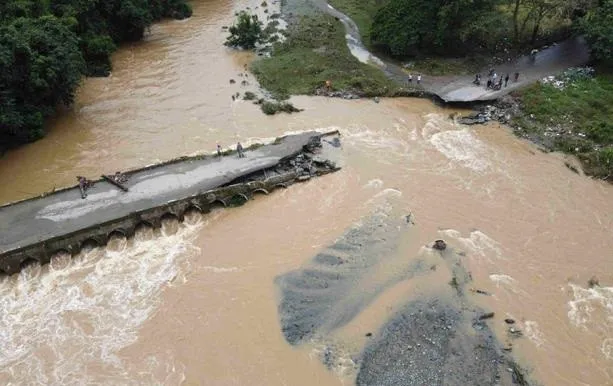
(196,302)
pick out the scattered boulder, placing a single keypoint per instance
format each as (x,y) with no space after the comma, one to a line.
(487,315)
(480,292)
(232,81)
(593,282)
(344,94)
(440,245)
(509,321)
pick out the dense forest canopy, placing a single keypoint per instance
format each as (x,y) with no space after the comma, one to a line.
(405,28)
(46,46)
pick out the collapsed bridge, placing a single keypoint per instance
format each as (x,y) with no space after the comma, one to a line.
(33,230)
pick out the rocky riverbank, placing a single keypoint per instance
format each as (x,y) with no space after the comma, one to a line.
(570,112)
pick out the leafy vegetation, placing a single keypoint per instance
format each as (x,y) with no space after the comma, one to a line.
(453,28)
(46,46)
(274,107)
(246,33)
(315,51)
(576,118)
(597,27)
(407,27)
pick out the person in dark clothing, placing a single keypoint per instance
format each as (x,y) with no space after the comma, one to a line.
(218,150)
(239,150)
(500,83)
(489,84)
(506,80)
(516,76)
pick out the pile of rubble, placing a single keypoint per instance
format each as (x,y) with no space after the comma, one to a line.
(344,94)
(502,111)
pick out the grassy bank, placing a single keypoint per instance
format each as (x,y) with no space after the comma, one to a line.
(315,51)
(574,116)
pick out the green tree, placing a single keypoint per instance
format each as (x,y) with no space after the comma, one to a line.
(246,33)
(406,27)
(47,45)
(597,27)
(40,67)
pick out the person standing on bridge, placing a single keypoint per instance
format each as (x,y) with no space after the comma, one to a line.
(218,150)
(506,80)
(239,150)
(516,77)
(410,79)
(418,78)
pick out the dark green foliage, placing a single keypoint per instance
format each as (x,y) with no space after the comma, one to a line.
(40,67)
(46,46)
(249,96)
(405,27)
(272,108)
(246,33)
(597,28)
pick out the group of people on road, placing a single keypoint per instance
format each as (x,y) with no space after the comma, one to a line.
(410,79)
(495,82)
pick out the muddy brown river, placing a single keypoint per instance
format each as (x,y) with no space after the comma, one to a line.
(198,302)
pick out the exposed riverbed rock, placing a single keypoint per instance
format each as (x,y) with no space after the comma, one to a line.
(327,293)
(428,343)
(440,245)
(344,94)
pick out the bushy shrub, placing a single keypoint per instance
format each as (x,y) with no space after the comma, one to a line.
(246,32)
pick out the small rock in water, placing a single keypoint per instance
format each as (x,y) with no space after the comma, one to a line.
(376,99)
(440,245)
(488,315)
(369,334)
(593,282)
(509,321)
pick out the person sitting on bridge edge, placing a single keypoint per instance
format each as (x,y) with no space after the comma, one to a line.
(239,150)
